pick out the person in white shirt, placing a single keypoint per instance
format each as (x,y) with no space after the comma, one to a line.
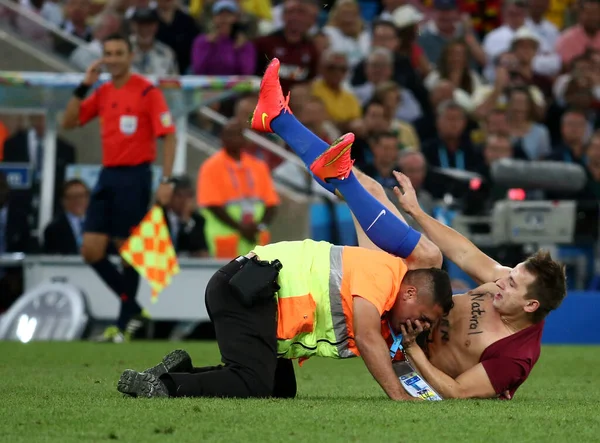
(150,57)
(347,32)
(547,61)
(106,24)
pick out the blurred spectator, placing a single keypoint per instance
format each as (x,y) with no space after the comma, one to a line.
(15,236)
(247,19)
(314,7)
(451,149)
(577,39)
(377,118)
(64,234)
(533,138)
(495,122)
(386,36)
(291,45)
(321,41)
(384,147)
(150,57)
(237,195)
(47,9)
(548,34)
(105,24)
(225,50)
(399,102)
(453,65)
(561,13)
(524,46)
(138,4)
(77,13)
(177,30)
(389,6)
(495,147)
(446,26)
(507,76)
(581,71)
(299,95)
(592,189)
(342,106)
(185,223)
(27,146)
(31,30)
(573,130)
(378,69)
(313,115)
(347,31)
(414,166)
(499,40)
(406,18)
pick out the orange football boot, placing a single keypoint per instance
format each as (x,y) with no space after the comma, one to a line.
(270,100)
(335,162)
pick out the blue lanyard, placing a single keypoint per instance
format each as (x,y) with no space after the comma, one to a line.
(236,185)
(397,344)
(459,158)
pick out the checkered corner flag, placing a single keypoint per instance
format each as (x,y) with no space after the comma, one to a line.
(151,253)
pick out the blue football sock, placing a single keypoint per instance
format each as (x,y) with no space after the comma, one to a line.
(304,143)
(384,229)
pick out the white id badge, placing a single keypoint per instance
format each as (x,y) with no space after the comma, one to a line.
(128,124)
(413,383)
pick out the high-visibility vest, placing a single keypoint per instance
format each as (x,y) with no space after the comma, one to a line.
(311,319)
(226,242)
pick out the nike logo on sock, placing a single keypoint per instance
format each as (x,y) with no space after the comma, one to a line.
(376,218)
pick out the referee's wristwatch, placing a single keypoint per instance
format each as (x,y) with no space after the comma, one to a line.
(165,180)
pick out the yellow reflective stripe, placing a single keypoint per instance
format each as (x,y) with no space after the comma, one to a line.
(340,329)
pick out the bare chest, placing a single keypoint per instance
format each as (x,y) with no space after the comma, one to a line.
(459,339)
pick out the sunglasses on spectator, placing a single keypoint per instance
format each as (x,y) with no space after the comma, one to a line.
(339,68)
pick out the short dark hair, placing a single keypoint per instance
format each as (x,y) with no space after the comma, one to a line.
(435,282)
(384,23)
(70,183)
(381,135)
(372,102)
(119,37)
(550,285)
(182,183)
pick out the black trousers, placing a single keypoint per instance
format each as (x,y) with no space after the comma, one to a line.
(247,339)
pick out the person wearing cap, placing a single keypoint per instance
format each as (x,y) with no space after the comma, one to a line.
(406,19)
(447,25)
(225,50)
(525,45)
(150,57)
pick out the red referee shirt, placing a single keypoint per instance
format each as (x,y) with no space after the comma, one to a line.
(131,119)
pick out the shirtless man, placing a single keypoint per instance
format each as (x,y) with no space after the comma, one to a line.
(488,344)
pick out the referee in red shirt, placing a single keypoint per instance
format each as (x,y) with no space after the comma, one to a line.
(133,114)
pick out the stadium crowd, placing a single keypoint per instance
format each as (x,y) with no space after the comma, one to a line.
(432,84)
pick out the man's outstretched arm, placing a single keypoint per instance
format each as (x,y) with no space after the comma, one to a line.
(453,245)
(374,350)
(425,255)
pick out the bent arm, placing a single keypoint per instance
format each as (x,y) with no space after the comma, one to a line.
(70,117)
(473,383)
(425,255)
(373,349)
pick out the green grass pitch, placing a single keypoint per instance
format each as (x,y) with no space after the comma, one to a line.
(65,392)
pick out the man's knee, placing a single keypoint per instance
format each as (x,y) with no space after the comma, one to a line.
(426,255)
(93,248)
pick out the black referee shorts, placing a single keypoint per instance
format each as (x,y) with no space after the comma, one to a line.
(120,200)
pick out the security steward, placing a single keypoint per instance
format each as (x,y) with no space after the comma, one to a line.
(133,115)
(295,300)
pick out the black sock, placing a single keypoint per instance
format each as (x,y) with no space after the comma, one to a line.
(129,305)
(109,275)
